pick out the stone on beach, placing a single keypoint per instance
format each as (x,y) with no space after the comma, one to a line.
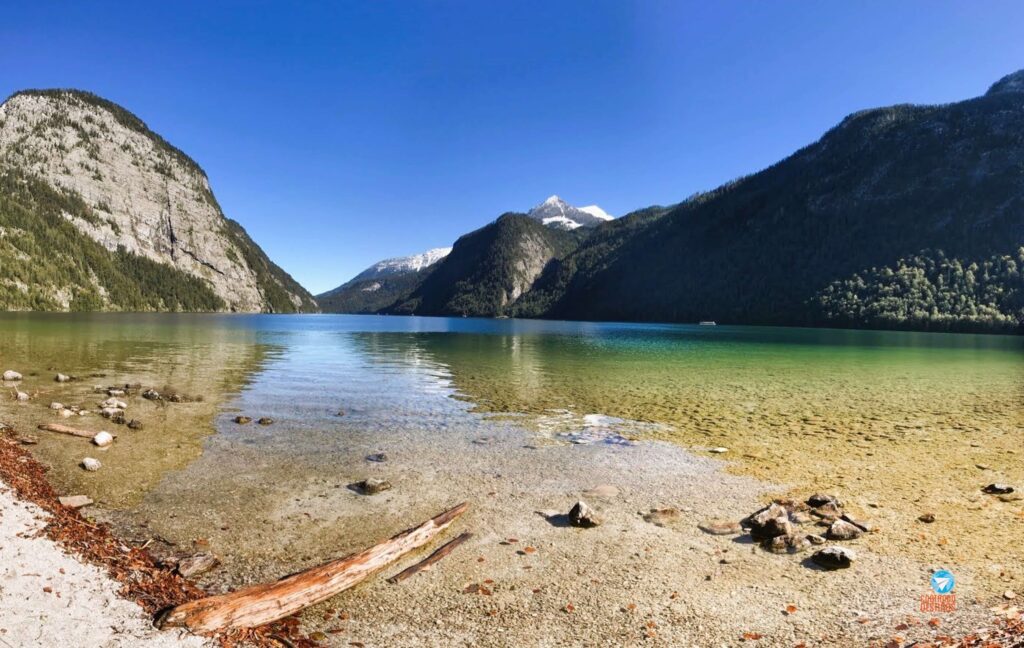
(56,406)
(719,450)
(265,420)
(768,522)
(242,420)
(66,413)
(581,515)
(75,501)
(114,403)
(787,544)
(62,378)
(90,464)
(834,557)
(151,394)
(663,517)
(843,530)
(103,439)
(11,376)
(372,486)
(377,457)
(21,396)
(820,499)
(927,518)
(134,424)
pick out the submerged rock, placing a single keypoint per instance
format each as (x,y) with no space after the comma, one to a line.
(103,439)
(663,517)
(998,489)
(90,464)
(11,376)
(720,527)
(75,501)
(581,515)
(372,486)
(265,420)
(834,557)
(378,457)
(242,420)
(197,564)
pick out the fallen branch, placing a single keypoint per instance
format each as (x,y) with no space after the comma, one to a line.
(427,562)
(260,604)
(64,429)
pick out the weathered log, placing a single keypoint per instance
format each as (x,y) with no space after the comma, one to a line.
(426,563)
(261,604)
(65,429)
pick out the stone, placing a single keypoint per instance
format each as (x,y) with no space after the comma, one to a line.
(11,376)
(834,557)
(821,499)
(242,420)
(62,378)
(135,424)
(151,394)
(720,527)
(56,406)
(114,403)
(103,439)
(108,412)
(998,489)
(21,396)
(827,511)
(372,486)
(786,544)
(719,450)
(581,515)
(75,501)
(377,457)
(67,413)
(265,420)
(816,539)
(768,522)
(1009,595)
(90,464)
(115,392)
(843,530)
(663,517)
(927,518)
(198,564)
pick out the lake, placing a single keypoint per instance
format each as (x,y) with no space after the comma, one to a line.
(898,423)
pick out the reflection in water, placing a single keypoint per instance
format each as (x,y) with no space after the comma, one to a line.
(881,417)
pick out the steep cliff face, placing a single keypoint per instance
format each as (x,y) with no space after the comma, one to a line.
(135,195)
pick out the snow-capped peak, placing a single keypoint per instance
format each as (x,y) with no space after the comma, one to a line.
(396,265)
(555,212)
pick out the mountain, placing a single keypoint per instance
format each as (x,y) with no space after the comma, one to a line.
(555,212)
(490,268)
(382,284)
(900,217)
(98,212)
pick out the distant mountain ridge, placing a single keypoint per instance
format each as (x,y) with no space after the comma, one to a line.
(399,265)
(555,212)
(98,212)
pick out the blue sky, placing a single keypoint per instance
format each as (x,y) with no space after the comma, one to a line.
(339,133)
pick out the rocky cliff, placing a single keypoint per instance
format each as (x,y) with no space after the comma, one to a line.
(146,209)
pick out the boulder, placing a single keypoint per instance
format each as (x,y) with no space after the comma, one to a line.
(90,464)
(21,396)
(372,486)
(62,378)
(843,530)
(103,439)
(581,515)
(11,376)
(834,557)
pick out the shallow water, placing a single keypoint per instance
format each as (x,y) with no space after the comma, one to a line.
(897,422)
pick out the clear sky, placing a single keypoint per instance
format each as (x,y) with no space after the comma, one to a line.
(340,133)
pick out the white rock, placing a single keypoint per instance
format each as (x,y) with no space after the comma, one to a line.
(719,450)
(66,413)
(11,376)
(113,402)
(90,464)
(108,412)
(103,439)
(115,392)
(22,396)
(56,406)
(62,377)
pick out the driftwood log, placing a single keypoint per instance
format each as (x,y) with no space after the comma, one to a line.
(426,563)
(261,604)
(65,429)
